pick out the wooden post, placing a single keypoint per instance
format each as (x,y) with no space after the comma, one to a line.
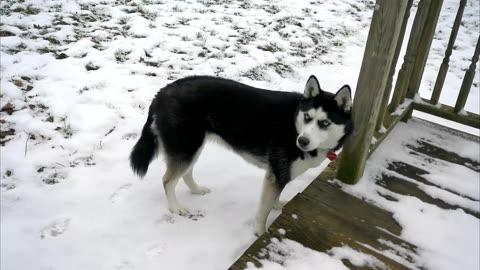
(413,42)
(423,49)
(388,87)
(379,51)
(437,89)
(467,81)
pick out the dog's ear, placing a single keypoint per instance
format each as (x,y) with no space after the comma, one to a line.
(312,88)
(344,98)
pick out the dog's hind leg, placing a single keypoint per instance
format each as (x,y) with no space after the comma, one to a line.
(192,185)
(188,177)
(270,195)
(170,179)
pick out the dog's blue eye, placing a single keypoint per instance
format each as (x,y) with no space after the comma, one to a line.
(323,123)
(307,117)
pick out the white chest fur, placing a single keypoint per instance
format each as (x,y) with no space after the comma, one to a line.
(299,166)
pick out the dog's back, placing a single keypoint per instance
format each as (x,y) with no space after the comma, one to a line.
(247,118)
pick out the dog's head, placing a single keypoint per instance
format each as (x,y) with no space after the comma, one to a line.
(323,119)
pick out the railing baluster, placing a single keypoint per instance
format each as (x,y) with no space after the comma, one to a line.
(437,89)
(413,42)
(467,81)
(423,49)
(388,87)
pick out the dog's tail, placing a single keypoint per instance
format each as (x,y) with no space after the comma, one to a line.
(146,148)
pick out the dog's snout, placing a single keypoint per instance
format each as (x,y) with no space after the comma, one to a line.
(303,141)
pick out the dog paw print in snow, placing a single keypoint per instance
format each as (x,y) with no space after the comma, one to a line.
(155,251)
(55,228)
(195,215)
(124,265)
(170,219)
(129,136)
(120,192)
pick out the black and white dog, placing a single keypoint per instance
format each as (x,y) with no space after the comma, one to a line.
(284,133)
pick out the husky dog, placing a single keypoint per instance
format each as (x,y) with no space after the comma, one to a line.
(281,132)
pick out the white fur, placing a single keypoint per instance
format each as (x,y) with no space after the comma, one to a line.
(270,194)
(299,166)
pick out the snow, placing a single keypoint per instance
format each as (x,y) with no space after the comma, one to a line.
(289,255)
(68,197)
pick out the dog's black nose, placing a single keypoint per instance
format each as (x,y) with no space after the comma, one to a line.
(303,141)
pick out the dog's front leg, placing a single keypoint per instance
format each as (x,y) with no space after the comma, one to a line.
(270,194)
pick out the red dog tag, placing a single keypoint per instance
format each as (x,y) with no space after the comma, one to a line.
(331,155)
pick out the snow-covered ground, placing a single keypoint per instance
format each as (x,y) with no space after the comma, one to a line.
(77,77)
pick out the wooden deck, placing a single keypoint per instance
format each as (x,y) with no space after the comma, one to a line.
(323,216)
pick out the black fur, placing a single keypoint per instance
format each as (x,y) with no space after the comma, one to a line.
(255,121)
(145,149)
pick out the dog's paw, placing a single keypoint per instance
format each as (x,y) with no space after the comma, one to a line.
(181,211)
(259,230)
(279,204)
(201,190)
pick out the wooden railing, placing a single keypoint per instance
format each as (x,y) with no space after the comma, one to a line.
(373,116)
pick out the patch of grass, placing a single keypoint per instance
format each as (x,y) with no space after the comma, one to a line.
(200,36)
(256,73)
(66,129)
(288,20)
(270,47)
(19,48)
(91,66)
(177,9)
(171,25)
(218,71)
(246,37)
(184,21)
(151,63)
(281,69)
(5,33)
(151,74)
(53,179)
(227,19)
(212,32)
(123,20)
(83,90)
(139,36)
(177,51)
(99,47)
(30,10)
(186,38)
(146,13)
(121,55)
(246,4)
(272,9)
(53,40)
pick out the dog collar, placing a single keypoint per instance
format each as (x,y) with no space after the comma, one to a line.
(331,155)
